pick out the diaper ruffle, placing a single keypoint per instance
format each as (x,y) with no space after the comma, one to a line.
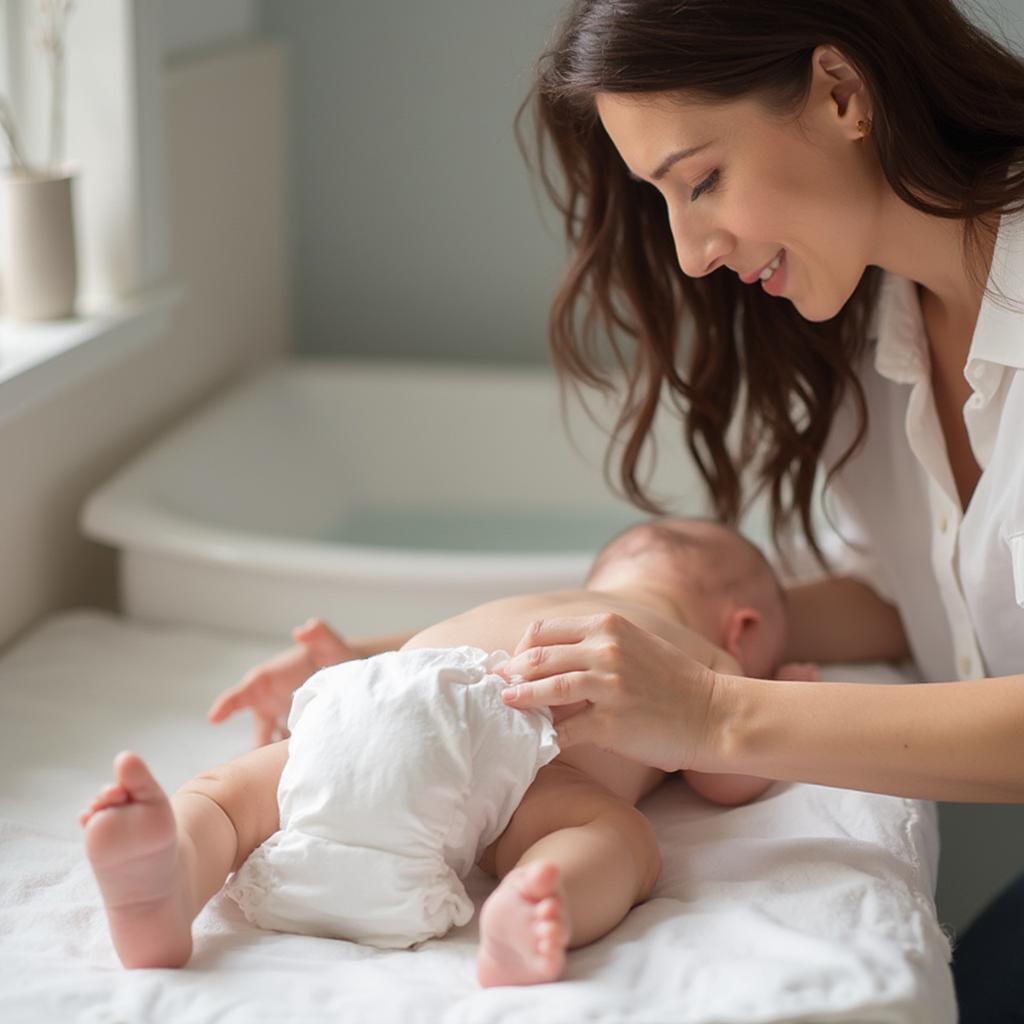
(251,883)
(340,891)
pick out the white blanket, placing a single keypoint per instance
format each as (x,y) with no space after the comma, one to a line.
(812,904)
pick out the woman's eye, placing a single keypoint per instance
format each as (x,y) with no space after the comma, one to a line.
(705,186)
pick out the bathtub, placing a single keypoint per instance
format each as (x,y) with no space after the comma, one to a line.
(381,496)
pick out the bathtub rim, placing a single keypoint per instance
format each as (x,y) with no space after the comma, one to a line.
(127,514)
(138,527)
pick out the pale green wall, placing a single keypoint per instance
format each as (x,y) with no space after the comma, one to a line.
(414,228)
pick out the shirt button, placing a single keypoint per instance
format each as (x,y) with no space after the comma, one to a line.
(943,524)
(965,665)
(977,401)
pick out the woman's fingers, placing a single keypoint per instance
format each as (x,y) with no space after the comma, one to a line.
(569,630)
(553,666)
(649,700)
(538,662)
(562,688)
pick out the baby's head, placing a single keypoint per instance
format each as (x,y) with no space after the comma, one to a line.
(718,582)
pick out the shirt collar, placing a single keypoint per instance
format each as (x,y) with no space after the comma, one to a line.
(902,355)
(999,332)
(902,351)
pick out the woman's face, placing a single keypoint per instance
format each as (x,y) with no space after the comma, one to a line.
(756,187)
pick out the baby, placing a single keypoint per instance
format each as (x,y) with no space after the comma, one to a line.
(561,832)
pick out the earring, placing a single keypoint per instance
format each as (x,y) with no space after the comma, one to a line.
(864,127)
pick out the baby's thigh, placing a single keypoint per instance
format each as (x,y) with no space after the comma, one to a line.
(560,797)
(246,790)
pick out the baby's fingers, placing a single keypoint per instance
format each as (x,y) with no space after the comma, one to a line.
(226,705)
(264,732)
(241,695)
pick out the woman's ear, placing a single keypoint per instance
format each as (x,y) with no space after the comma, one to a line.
(743,637)
(845,88)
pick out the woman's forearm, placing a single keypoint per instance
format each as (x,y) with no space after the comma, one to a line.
(961,741)
(842,619)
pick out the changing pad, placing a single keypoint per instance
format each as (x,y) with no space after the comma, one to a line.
(811,904)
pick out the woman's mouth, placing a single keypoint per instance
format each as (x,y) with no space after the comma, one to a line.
(773,277)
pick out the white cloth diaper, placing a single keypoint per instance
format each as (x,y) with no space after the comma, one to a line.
(401,769)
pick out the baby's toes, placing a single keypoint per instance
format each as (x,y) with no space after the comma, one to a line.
(549,909)
(551,929)
(551,937)
(114,794)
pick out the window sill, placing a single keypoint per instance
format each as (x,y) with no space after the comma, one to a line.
(39,360)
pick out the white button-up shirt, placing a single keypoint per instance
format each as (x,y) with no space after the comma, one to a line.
(957,578)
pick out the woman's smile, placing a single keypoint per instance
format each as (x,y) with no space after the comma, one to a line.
(775,281)
(764,272)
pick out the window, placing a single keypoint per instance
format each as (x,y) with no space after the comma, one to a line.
(114,144)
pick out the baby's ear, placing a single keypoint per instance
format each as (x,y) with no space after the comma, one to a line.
(743,636)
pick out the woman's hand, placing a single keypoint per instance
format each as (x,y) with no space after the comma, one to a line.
(637,694)
(267,689)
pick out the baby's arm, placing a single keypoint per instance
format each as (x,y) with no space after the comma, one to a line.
(732,790)
(267,689)
(729,790)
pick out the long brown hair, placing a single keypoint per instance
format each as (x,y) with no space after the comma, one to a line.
(947,103)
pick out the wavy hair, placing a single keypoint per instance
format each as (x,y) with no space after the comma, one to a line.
(947,104)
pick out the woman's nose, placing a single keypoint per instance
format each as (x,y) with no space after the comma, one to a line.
(701,258)
(699,249)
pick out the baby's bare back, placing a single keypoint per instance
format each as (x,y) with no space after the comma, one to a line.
(499,625)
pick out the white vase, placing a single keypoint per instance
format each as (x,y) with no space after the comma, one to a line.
(39,272)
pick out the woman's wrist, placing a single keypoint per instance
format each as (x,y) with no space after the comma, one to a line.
(733,702)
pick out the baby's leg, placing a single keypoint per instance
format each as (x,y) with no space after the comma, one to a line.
(158,861)
(573,860)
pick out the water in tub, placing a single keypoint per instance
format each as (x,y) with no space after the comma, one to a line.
(479,529)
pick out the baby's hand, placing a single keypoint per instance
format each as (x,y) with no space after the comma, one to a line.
(799,672)
(267,689)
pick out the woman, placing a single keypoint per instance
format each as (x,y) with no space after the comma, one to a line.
(824,195)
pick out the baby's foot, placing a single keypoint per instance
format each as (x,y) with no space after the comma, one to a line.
(322,644)
(523,928)
(132,843)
